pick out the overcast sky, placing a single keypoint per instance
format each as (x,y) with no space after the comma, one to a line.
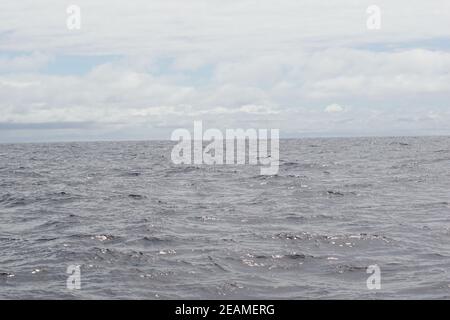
(139,69)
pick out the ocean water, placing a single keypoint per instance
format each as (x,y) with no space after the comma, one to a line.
(143,228)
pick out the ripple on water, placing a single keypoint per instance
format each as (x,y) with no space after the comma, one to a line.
(130,218)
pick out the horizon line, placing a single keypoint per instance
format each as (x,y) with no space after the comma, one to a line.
(285,138)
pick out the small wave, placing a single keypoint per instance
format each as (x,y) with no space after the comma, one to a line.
(132,174)
(181,170)
(335,193)
(284,261)
(358,185)
(51,225)
(343,268)
(350,240)
(295,256)
(11,201)
(294,236)
(430,205)
(46,239)
(6,275)
(103,237)
(290,164)
(215,263)
(205,218)
(347,239)
(136,196)
(156,240)
(111,255)
(399,143)
(7,239)
(312,217)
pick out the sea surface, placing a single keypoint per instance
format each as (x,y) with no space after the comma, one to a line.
(140,227)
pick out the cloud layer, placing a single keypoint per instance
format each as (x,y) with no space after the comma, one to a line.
(137,71)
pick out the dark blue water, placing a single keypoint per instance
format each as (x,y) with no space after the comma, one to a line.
(140,227)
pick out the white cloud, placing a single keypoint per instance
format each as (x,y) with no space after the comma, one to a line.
(24,62)
(122,93)
(334,108)
(213,28)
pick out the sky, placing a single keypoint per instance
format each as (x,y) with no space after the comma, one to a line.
(137,70)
